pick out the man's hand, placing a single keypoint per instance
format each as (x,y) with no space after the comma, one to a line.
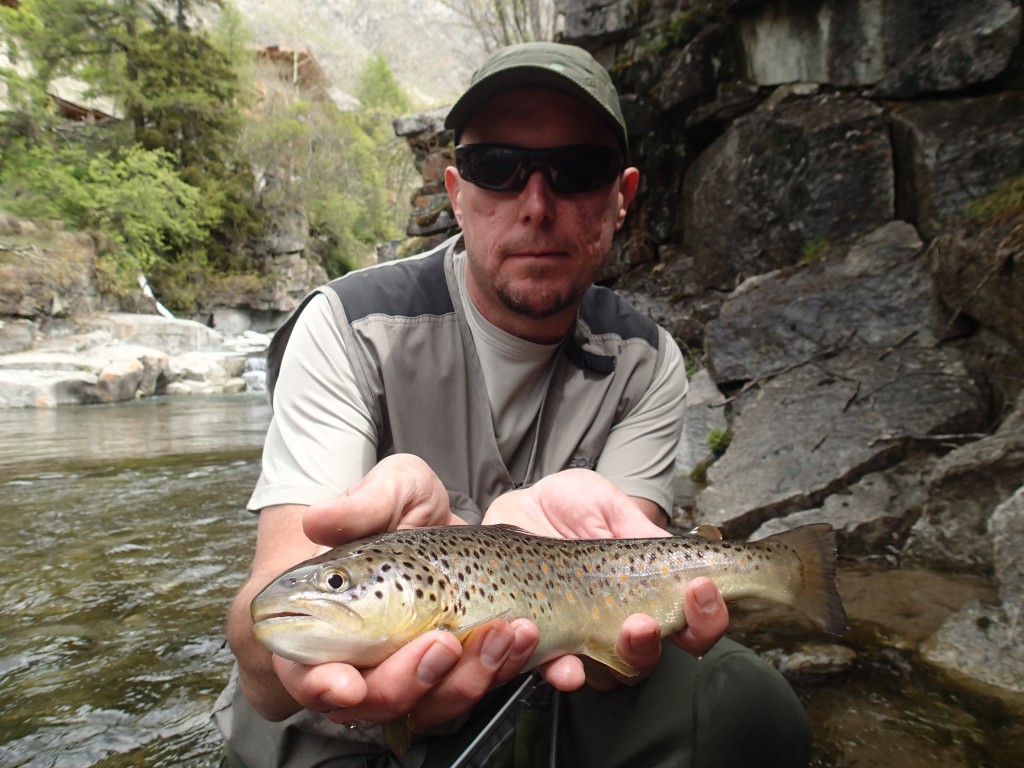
(401,491)
(581,504)
(433,678)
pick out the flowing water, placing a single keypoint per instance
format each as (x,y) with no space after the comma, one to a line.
(123,537)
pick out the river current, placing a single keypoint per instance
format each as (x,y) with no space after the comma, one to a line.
(123,536)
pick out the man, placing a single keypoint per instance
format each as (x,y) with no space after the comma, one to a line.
(490,381)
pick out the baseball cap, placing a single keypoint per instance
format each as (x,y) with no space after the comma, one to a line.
(566,68)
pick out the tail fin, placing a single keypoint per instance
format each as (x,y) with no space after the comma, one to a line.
(815,547)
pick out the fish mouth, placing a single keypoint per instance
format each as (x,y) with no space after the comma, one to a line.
(325,612)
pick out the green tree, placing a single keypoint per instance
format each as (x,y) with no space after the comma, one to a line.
(319,168)
(383,99)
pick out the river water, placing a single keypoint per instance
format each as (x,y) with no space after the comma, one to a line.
(123,538)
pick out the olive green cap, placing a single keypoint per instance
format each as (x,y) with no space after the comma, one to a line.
(567,68)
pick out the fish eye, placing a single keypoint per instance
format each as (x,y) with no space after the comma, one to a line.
(335,580)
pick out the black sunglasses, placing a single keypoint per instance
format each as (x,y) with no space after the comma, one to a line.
(569,170)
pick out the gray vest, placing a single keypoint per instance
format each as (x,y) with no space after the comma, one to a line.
(405,325)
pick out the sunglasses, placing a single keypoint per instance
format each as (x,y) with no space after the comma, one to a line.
(569,170)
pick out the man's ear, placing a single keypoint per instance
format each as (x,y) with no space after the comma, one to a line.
(453,183)
(628,185)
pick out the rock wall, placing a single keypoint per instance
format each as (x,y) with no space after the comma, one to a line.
(831,223)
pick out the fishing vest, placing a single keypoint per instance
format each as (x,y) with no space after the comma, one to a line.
(404,325)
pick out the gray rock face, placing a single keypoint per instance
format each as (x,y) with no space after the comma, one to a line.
(878,295)
(1006,527)
(809,173)
(964,490)
(872,517)
(836,396)
(952,151)
(903,48)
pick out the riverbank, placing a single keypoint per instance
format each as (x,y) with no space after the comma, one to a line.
(118,356)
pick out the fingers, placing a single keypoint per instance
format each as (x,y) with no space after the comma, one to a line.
(492,655)
(565,673)
(707,617)
(400,491)
(638,646)
(391,689)
(434,677)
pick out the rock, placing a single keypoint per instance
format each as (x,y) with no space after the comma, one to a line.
(194,373)
(879,294)
(963,491)
(900,608)
(171,335)
(972,43)
(692,71)
(847,373)
(812,660)
(48,277)
(97,367)
(872,517)
(904,48)
(1006,527)
(980,647)
(812,431)
(704,413)
(594,20)
(975,280)
(782,183)
(35,389)
(952,151)
(17,335)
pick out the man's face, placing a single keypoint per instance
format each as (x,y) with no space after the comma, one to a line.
(533,253)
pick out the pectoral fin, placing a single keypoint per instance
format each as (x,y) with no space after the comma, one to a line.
(462,631)
(398,734)
(606,655)
(707,531)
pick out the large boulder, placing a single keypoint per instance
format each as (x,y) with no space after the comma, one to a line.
(784,182)
(902,48)
(843,377)
(963,491)
(978,271)
(952,151)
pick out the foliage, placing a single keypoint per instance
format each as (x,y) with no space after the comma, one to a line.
(330,168)
(1005,201)
(718,441)
(684,25)
(199,172)
(136,202)
(814,250)
(505,22)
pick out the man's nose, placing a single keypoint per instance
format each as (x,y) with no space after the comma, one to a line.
(537,198)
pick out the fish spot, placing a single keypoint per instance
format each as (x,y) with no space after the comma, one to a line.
(379,594)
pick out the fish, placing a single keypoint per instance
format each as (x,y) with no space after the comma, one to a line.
(361,602)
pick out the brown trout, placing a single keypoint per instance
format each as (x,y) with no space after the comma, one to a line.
(361,602)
